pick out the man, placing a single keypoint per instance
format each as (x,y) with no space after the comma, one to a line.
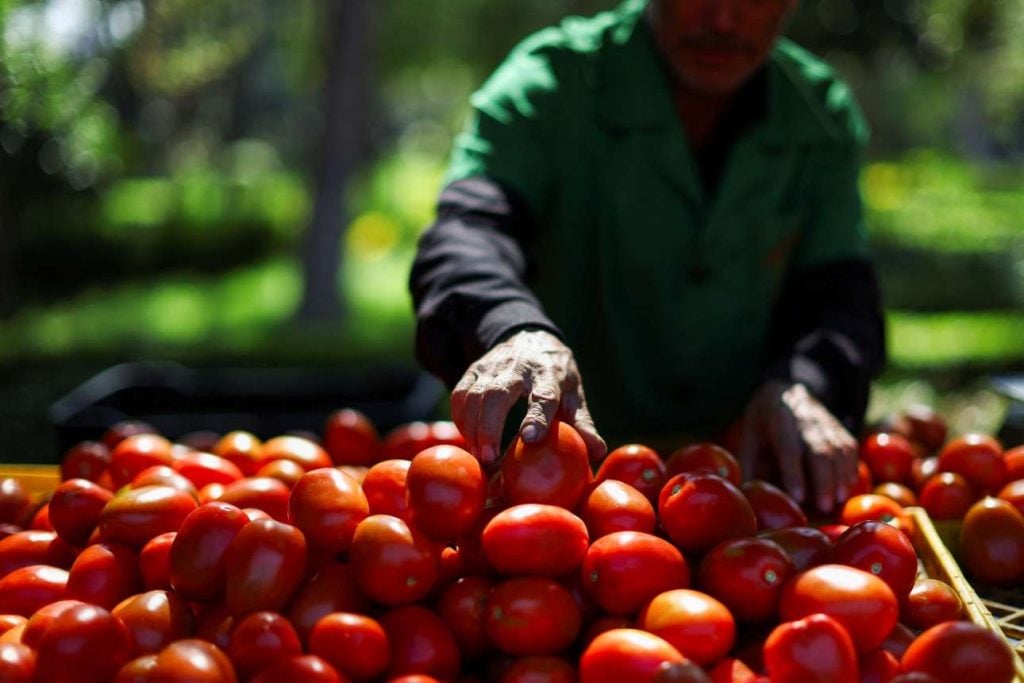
(663,200)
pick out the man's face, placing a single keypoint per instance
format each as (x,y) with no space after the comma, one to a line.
(713,46)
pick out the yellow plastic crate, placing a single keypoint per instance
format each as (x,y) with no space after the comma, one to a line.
(37,479)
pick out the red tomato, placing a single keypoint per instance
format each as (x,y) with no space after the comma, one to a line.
(878,666)
(262,493)
(331,589)
(385,488)
(136,453)
(531,616)
(731,670)
(300,450)
(704,458)
(405,441)
(612,506)
(83,643)
(554,471)
(420,643)
(241,449)
(639,466)
(446,489)
(931,602)
(36,625)
(816,649)
(1014,459)
(773,508)
(354,644)
(881,550)
(25,548)
(9,621)
(305,668)
(206,468)
(351,439)
(861,602)
(992,542)
(864,481)
(119,431)
(285,471)
(1013,493)
(978,459)
(193,660)
(261,639)
(868,506)
(623,570)
(327,504)
(946,496)
(134,517)
(216,623)
(626,654)
(162,475)
(696,624)
(198,554)
(960,651)
(155,562)
(806,546)
(463,607)
(924,469)
(898,492)
(540,669)
(17,663)
(747,575)
(392,563)
(264,565)
(25,590)
(925,426)
(699,511)
(533,539)
(104,574)
(889,457)
(85,460)
(154,620)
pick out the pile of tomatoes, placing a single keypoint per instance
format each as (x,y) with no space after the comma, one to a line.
(355,558)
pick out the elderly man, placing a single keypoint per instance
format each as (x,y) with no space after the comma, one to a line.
(661,199)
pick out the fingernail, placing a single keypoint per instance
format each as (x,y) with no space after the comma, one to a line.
(530,433)
(487,454)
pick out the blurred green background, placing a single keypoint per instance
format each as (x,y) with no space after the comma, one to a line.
(234,184)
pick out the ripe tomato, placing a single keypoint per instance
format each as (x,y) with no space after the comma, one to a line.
(327,504)
(888,456)
(623,570)
(37,624)
(136,453)
(747,575)
(978,459)
(351,439)
(331,589)
(930,603)
(816,649)
(992,542)
(533,539)
(1013,493)
(946,495)
(540,669)
(154,620)
(700,627)
(298,449)
(242,449)
(959,651)
(699,511)
(119,431)
(162,475)
(9,621)
(925,427)
(392,563)
(264,565)
(706,458)
(626,654)
(420,643)
(261,639)
(531,616)
(639,466)
(553,471)
(864,481)
(446,489)
(732,670)
(85,460)
(134,517)
(26,589)
(197,559)
(104,574)
(193,660)
(288,472)
(83,643)
(463,607)
(262,493)
(861,602)
(898,492)
(405,441)
(612,506)
(206,468)
(806,546)
(354,644)
(924,469)
(878,666)
(1014,459)
(17,663)
(385,488)
(881,550)
(305,668)
(25,548)
(869,506)
(155,562)
(773,508)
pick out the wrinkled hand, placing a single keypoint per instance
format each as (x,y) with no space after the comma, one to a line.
(534,364)
(799,429)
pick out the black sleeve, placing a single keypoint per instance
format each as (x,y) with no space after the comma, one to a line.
(828,333)
(468,277)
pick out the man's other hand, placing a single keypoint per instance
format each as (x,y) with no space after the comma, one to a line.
(532,364)
(801,432)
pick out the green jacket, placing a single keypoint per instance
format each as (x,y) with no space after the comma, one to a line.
(663,292)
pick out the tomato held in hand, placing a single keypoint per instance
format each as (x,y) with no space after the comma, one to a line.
(626,654)
(816,649)
(698,511)
(623,570)
(992,542)
(327,505)
(447,489)
(700,627)
(263,567)
(978,459)
(959,651)
(535,540)
(531,616)
(553,471)
(747,575)
(637,465)
(881,550)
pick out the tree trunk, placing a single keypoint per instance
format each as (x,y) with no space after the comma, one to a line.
(340,148)
(8,247)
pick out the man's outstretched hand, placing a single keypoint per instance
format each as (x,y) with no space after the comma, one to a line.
(800,431)
(533,364)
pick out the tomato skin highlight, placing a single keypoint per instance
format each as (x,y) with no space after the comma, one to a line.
(535,540)
(626,654)
(263,567)
(27,589)
(700,627)
(815,649)
(391,562)
(611,506)
(879,549)
(134,517)
(354,644)
(553,471)
(978,458)
(84,643)
(154,620)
